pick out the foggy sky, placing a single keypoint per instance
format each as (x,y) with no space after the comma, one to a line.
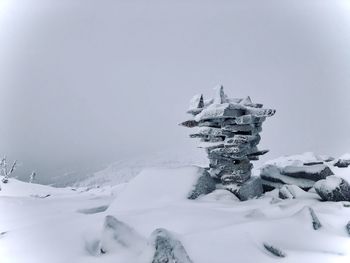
(85,82)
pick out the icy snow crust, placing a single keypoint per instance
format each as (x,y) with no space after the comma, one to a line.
(216,228)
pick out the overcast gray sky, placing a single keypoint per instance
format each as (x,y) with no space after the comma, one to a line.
(87,82)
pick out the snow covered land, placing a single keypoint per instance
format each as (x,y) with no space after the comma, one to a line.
(149,218)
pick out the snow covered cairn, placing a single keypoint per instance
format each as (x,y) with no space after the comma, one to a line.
(229,129)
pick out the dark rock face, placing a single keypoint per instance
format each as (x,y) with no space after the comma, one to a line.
(333,189)
(228,129)
(312,163)
(250,189)
(167,248)
(204,185)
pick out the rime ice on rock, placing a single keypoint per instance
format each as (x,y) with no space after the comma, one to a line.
(228,129)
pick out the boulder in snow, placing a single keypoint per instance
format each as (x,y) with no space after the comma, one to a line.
(249,189)
(343,161)
(333,188)
(290,192)
(167,248)
(205,184)
(117,235)
(303,176)
(272,178)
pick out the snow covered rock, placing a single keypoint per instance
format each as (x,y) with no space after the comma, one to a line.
(294,172)
(250,189)
(205,184)
(229,132)
(220,195)
(167,248)
(333,188)
(288,191)
(343,161)
(312,172)
(117,235)
(272,177)
(275,251)
(316,224)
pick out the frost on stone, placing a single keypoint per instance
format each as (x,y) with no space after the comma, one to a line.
(286,193)
(313,172)
(205,184)
(277,173)
(196,104)
(291,192)
(247,101)
(274,250)
(272,178)
(333,188)
(117,235)
(168,249)
(220,96)
(228,129)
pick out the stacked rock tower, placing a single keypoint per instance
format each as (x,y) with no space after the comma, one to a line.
(229,129)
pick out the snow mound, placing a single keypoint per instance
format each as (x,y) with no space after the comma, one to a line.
(17,188)
(156,187)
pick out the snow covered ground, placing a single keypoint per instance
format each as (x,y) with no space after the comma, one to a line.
(58,225)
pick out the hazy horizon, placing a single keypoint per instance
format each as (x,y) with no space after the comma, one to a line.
(84,83)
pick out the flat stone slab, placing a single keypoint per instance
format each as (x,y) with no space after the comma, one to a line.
(313,172)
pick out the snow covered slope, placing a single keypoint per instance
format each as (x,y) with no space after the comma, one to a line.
(123,171)
(40,224)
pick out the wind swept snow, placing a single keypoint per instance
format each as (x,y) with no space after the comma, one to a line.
(70,225)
